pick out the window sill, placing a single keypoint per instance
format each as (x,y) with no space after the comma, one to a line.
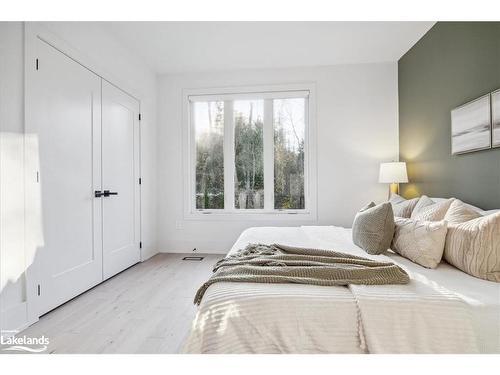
(213,215)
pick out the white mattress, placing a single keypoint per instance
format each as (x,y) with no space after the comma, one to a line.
(294,318)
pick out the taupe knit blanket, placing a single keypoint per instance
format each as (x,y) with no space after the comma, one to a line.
(259,263)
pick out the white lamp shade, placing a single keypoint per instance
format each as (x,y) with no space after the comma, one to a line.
(393,173)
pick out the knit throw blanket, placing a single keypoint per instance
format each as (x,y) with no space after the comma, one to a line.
(259,263)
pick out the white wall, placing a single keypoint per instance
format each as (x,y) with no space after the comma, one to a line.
(92,43)
(357,128)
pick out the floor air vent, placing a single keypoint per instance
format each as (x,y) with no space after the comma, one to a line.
(193,258)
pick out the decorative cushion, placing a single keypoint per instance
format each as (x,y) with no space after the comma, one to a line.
(434,212)
(422,203)
(489,212)
(460,212)
(474,208)
(477,209)
(438,199)
(373,228)
(420,241)
(474,247)
(402,207)
(396,198)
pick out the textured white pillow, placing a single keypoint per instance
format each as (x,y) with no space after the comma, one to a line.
(437,199)
(474,246)
(460,212)
(402,207)
(422,203)
(477,209)
(489,212)
(420,241)
(435,212)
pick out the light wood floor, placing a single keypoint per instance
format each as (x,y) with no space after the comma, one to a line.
(145,309)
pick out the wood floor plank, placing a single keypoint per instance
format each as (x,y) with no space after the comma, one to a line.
(148,308)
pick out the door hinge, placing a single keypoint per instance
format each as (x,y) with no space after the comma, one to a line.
(38,289)
(140,181)
(140,117)
(140,245)
(36,64)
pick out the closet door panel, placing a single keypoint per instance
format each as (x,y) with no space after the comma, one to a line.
(120,171)
(64,123)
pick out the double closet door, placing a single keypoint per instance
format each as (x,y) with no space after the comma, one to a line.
(85,173)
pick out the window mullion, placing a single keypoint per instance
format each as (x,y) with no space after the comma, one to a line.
(228,156)
(306,154)
(268,156)
(192,157)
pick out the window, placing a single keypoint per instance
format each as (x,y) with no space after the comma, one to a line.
(209,136)
(249,152)
(289,141)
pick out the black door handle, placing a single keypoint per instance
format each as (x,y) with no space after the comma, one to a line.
(107,193)
(98,194)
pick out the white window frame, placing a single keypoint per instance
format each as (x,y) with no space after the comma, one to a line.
(268,93)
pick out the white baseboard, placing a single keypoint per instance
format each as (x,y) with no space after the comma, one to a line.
(145,255)
(204,251)
(202,246)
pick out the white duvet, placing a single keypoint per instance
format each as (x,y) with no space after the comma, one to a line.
(440,311)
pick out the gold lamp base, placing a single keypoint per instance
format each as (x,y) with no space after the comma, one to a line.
(393,189)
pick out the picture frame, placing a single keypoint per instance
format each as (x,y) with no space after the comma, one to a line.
(495,118)
(471,126)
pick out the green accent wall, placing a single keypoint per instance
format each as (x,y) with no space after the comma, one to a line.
(452,64)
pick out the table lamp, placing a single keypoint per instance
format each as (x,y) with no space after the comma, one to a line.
(393,174)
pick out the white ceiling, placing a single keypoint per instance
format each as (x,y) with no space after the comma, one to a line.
(177,47)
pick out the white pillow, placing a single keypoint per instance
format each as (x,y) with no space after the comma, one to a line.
(420,241)
(434,212)
(489,212)
(437,200)
(402,207)
(422,203)
(460,212)
(474,246)
(477,209)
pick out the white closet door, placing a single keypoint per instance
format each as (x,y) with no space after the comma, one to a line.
(64,129)
(120,176)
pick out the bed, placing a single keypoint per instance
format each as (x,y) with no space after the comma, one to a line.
(440,311)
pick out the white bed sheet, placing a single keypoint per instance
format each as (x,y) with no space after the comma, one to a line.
(293,318)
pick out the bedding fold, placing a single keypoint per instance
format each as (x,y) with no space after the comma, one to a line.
(417,318)
(277,264)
